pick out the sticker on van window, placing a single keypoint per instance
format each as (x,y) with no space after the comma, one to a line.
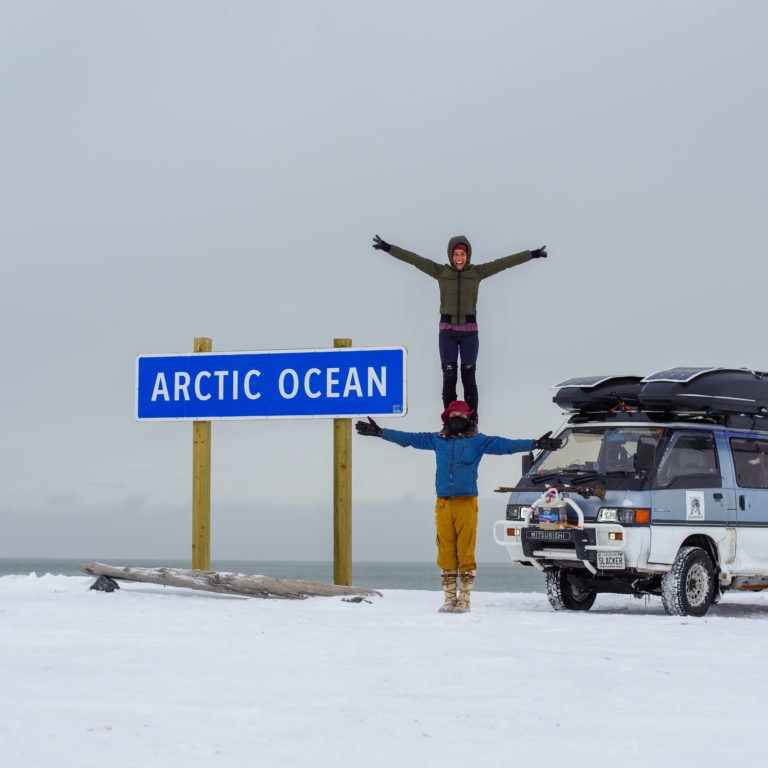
(694,505)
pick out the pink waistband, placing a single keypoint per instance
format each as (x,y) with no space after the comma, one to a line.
(456,327)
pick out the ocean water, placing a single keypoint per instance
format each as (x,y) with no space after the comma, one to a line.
(491,577)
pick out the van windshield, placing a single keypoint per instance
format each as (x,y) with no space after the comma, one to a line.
(600,451)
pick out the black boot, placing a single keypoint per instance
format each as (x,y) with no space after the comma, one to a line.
(450,376)
(470,395)
(470,385)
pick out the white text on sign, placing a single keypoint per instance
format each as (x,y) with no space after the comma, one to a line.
(226,384)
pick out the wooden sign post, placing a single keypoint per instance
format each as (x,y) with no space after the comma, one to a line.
(342,494)
(201,483)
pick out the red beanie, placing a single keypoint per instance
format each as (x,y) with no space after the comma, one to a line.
(460,247)
(456,405)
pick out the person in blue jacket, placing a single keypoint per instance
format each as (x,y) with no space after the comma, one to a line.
(458,451)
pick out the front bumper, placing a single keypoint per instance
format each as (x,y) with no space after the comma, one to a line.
(527,543)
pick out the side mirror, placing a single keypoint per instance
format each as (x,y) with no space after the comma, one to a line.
(645,458)
(527,462)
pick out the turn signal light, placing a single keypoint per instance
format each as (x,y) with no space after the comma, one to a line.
(643,516)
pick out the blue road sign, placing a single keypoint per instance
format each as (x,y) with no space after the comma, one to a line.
(343,382)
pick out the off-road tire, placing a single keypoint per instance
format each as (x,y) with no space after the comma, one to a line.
(688,589)
(564,596)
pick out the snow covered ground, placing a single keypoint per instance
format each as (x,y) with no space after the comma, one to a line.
(150,676)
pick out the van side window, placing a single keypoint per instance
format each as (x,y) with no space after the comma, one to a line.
(750,459)
(690,461)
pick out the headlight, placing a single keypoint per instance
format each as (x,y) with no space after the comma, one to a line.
(608,515)
(623,515)
(517,511)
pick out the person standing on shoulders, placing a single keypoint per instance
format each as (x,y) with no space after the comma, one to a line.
(459,282)
(457,455)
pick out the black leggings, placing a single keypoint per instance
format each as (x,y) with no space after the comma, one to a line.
(450,349)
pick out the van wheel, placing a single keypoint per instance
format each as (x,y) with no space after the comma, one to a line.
(689,588)
(564,596)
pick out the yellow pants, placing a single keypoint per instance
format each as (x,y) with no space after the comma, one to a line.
(456,524)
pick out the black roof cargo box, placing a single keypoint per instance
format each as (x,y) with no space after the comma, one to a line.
(713,390)
(598,393)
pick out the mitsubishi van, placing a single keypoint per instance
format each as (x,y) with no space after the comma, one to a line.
(660,488)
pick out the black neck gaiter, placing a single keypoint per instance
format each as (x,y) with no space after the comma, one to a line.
(457,424)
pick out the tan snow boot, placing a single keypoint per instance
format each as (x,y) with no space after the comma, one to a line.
(449,590)
(465,590)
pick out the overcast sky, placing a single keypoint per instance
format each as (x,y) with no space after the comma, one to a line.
(180,169)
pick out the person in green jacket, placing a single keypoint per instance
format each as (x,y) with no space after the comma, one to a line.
(459,281)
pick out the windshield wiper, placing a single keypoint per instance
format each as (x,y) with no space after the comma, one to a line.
(564,473)
(543,478)
(588,477)
(584,475)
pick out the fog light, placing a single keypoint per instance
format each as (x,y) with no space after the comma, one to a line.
(612,536)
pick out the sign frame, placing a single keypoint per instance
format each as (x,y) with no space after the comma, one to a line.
(196,357)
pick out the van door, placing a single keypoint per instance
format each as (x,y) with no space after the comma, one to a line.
(750,463)
(688,494)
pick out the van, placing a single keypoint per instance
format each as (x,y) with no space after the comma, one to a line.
(660,488)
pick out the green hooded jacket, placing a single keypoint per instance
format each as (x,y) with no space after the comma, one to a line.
(458,288)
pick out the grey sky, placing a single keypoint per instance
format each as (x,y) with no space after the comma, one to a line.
(181,169)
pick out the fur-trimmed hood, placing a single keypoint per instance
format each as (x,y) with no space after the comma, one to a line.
(453,242)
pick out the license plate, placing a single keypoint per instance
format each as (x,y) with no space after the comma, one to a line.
(610,560)
(549,535)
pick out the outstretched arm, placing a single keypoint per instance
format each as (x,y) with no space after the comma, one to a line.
(425,265)
(423,440)
(493,267)
(501,445)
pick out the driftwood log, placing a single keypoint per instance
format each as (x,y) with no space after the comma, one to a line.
(229,583)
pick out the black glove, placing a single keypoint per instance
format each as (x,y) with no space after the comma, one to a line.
(547,443)
(538,253)
(369,428)
(380,245)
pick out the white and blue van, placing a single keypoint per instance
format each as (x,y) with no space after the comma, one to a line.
(660,488)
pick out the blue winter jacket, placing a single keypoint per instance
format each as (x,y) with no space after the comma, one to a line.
(457,458)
